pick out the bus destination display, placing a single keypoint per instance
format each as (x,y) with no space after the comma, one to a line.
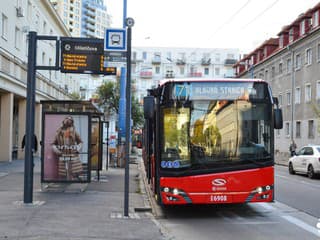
(82,55)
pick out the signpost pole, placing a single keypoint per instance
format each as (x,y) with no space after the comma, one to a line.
(130,23)
(29,137)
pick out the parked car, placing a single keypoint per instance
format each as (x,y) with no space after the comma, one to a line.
(306,160)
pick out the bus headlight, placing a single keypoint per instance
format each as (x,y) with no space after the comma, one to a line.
(259,190)
(166,189)
(175,191)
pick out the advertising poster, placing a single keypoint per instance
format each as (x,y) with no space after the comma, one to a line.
(96,161)
(65,148)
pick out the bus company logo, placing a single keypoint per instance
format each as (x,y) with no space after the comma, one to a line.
(219,182)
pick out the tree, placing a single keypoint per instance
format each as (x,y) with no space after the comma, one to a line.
(75,96)
(109,96)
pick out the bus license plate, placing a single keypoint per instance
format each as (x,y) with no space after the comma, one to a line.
(219,198)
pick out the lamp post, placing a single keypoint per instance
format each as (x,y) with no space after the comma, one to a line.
(292,90)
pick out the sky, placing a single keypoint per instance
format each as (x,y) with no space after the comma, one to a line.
(241,24)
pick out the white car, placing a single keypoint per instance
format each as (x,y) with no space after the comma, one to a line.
(306,160)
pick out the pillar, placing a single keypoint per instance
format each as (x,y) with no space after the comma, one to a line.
(6,125)
(22,105)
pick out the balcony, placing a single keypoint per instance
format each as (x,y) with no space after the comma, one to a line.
(181,61)
(169,74)
(156,60)
(205,61)
(230,62)
(146,74)
(195,74)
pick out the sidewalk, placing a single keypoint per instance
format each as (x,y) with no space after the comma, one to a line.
(69,213)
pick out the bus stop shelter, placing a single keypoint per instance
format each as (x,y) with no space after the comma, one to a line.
(71,141)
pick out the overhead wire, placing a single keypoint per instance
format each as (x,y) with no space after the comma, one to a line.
(260,14)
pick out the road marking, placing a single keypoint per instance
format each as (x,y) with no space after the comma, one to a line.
(301,224)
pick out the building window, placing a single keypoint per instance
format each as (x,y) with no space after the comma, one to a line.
(43,58)
(4,27)
(157,70)
(315,19)
(281,41)
(302,28)
(206,71)
(288,98)
(280,68)
(29,11)
(144,55)
(287,129)
(17,38)
(181,70)
(298,129)
(310,129)
(273,72)
(298,62)
(266,75)
(217,71)
(289,65)
(308,56)
(297,95)
(291,35)
(318,89)
(280,99)
(318,52)
(308,93)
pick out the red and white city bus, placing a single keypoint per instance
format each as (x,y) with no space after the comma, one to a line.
(211,141)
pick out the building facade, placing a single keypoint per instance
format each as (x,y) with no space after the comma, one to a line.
(151,64)
(290,63)
(83,18)
(17,19)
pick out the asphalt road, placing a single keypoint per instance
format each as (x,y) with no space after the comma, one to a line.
(297,191)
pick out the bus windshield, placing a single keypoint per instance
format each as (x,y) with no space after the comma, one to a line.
(215,134)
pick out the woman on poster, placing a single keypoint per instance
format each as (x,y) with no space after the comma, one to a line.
(67,145)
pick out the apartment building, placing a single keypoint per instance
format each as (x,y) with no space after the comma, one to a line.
(17,19)
(83,18)
(151,64)
(291,64)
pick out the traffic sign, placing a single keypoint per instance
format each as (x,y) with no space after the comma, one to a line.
(115,56)
(115,39)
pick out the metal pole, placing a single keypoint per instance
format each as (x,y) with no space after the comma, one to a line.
(107,163)
(128,99)
(292,92)
(29,137)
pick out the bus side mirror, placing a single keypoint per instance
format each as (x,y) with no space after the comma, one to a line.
(148,107)
(278,122)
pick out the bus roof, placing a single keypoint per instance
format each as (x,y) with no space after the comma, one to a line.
(168,80)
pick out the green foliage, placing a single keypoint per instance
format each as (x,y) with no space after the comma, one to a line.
(75,96)
(109,96)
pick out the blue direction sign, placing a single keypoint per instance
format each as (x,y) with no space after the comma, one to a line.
(115,39)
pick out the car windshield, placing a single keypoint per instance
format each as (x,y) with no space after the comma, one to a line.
(214,134)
